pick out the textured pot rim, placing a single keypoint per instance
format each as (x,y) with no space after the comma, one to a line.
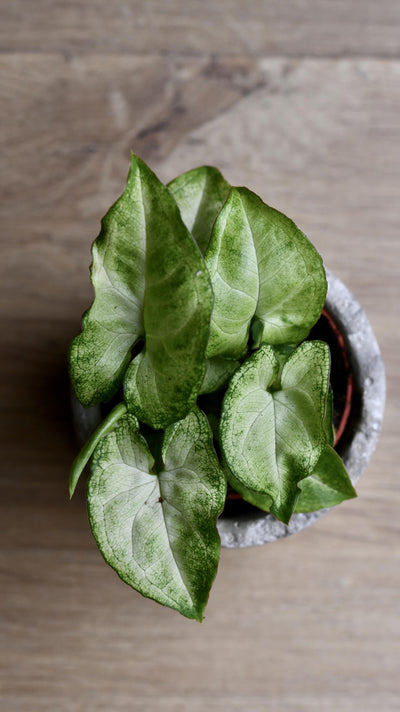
(255,527)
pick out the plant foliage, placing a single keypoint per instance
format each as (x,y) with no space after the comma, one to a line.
(201,291)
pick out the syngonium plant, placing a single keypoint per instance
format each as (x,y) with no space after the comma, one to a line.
(204,296)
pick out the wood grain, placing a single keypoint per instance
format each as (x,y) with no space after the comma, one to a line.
(297,29)
(301,102)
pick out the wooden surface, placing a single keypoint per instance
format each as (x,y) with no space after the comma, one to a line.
(301,102)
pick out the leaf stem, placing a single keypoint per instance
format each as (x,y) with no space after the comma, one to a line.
(85,454)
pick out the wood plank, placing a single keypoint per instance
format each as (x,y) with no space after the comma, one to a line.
(229,27)
(321,609)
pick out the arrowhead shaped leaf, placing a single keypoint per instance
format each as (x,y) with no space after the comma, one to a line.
(100,354)
(158,530)
(272,433)
(200,195)
(150,283)
(163,381)
(327,486)
(264,273)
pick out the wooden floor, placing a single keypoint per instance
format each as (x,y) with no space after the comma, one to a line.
(301,102)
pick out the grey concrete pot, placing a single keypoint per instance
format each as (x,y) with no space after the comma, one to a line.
(252,527)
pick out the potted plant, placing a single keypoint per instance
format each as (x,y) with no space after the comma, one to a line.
(197,340)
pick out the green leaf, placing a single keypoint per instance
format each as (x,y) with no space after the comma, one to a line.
(265,274)
(86,452)
(272,433)
(151,283)
(261,501)
(282,353)
(158,529)
(231,260)
(200,195)
(100,354)
(163,381)
(218,372)
(327,486)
